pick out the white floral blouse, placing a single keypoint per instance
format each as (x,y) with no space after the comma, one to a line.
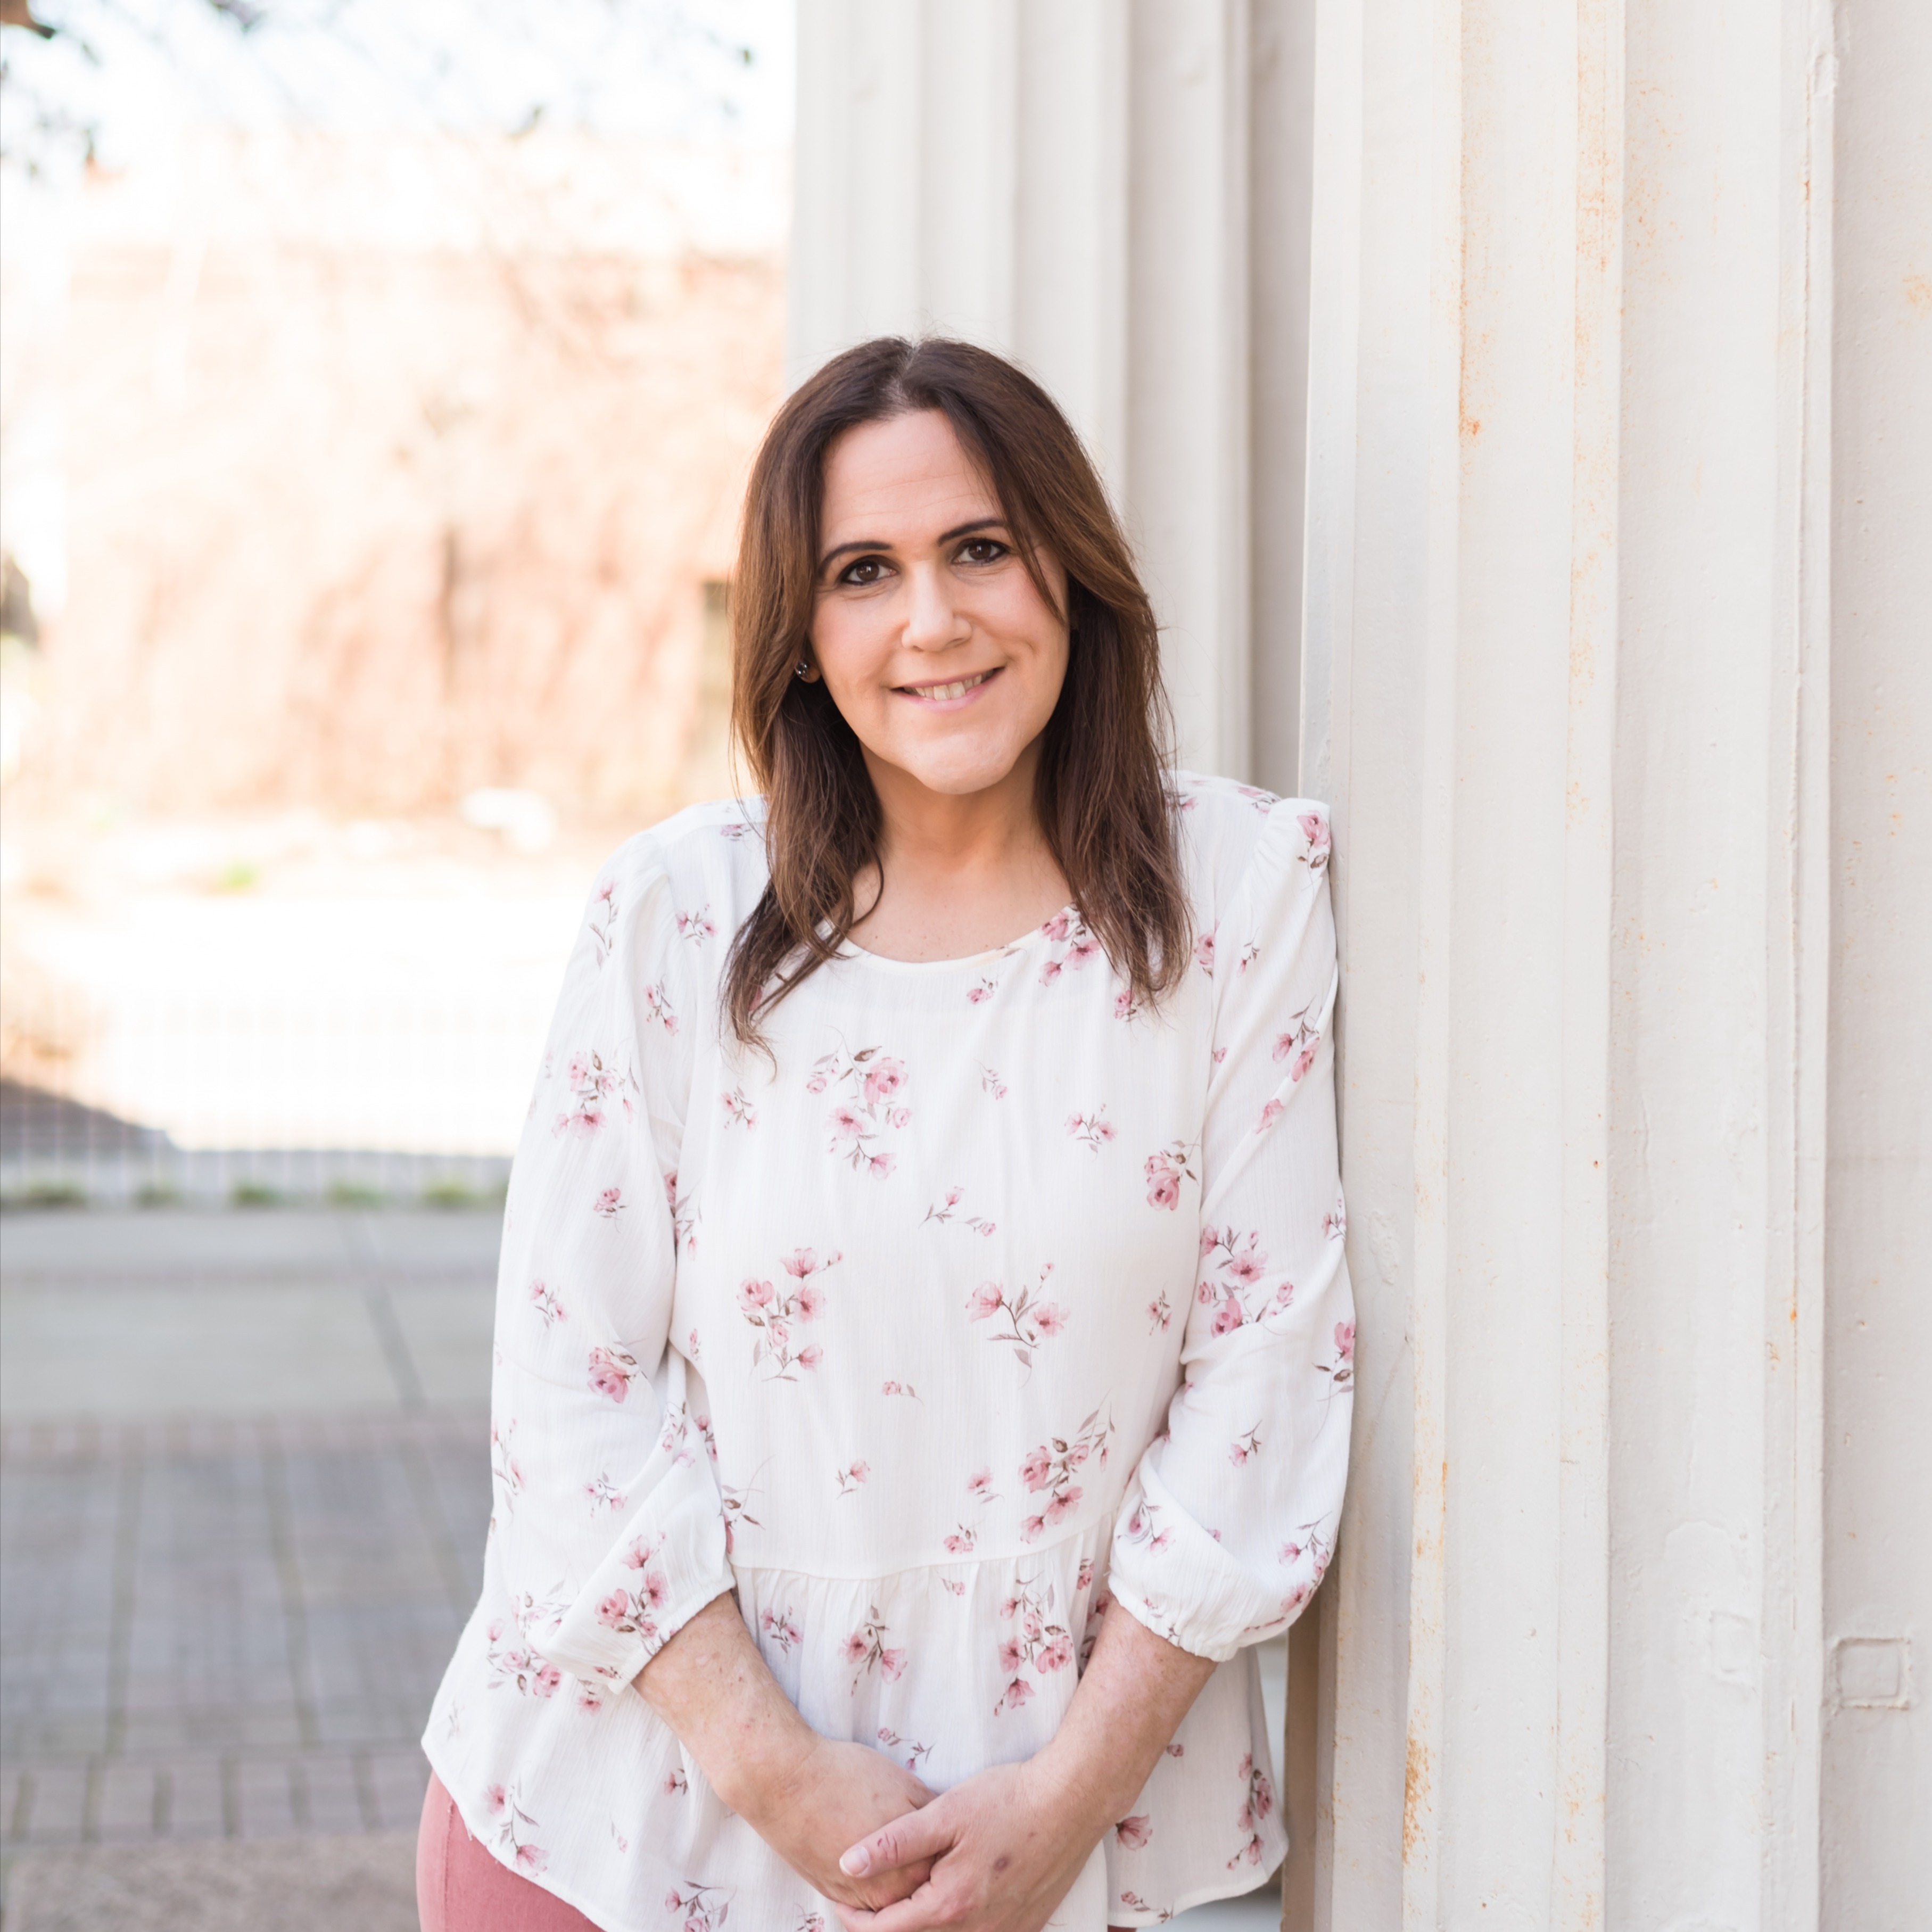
(1000,1299)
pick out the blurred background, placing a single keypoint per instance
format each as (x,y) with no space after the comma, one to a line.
(377,384)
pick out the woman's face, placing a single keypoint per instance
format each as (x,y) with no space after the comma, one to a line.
(932,639)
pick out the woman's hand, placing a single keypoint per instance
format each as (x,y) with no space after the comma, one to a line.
(807,1797)
(836,1794)
(1002,1850)
(1005,1847)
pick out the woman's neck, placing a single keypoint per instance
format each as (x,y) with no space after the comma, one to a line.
(957,875)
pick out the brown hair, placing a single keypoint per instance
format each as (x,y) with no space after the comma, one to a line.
(1101,797)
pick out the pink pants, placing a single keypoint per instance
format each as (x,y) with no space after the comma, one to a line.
(460,1888)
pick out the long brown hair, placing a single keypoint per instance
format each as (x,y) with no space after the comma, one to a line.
(1100,793)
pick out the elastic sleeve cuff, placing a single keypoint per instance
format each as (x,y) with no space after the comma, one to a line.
(1173,1576)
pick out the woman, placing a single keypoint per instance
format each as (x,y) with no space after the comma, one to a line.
(924,1355)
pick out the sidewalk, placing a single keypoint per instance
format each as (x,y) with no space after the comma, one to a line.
(244,1485)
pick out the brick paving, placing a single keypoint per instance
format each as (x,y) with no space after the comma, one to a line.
(228,1626)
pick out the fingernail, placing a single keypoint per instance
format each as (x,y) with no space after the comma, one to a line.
(857,1863)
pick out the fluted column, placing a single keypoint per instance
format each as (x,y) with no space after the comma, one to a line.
(1079,184)
(1581,623)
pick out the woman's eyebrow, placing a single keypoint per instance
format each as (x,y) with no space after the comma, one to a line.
(945,537)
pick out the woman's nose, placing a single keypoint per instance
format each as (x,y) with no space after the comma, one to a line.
(932,622)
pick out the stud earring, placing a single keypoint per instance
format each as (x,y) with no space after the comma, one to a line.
(803,667)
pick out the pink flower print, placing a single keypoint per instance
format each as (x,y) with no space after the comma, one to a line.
(990,1082)
(1018,1693)
(590,1698)
(701,1908)
(611,1370)
(1260,800)
(980,1486)
(1141,1526)
(905,1389)
(1203,953)
(698,926)
(1257,1802)
(948,1210)
(1038,1641)
(1270,1113)
(852,1478)
(604,921)
(675,1785)
(1341,1372)
(546,1681)
(1083,1577)
(1134,1833)
(735,1511)
(609,1204)
(1298,1045)
(1335,1225)
(1070,944)
(1051,1467)
(733,829)
(495,1797)
(884,1079)
(1126,1007)
(604,1494)
(1228,1316)
(1092,1131)
(1165,1171)
(504,1468)
(866,1649)
(738,1112)
(782,1628)
(979,994)
(551,1311)
(595,1085)
(683,1216)
(1314,829)
(1250,952)
(962,1541)
(658,1007)
(1245,1447)
(531,1859)
(867,1082)
(892,1742)
(1160,1312)
(773,1314)
(1028,1318)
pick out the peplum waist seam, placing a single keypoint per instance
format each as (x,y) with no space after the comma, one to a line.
(1101,1528)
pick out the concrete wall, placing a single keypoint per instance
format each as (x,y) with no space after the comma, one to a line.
(1614,665)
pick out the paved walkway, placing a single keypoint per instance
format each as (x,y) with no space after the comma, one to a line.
(244,1484)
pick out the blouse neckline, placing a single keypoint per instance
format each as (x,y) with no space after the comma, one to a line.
(852,949)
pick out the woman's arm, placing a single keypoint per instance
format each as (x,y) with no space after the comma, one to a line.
(1005,1847)
(805,1796)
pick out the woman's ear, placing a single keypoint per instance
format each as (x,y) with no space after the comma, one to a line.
(806,671)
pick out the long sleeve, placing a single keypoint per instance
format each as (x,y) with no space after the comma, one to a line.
(606,1514)
(1230,1520)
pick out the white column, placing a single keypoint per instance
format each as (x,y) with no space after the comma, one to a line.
(1619,951)
(1077,184)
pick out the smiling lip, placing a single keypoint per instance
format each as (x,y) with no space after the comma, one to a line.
(949,693)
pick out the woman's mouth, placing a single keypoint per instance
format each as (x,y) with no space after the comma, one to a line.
(942,693)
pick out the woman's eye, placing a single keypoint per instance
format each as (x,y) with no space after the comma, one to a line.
(982,549)
(867,570)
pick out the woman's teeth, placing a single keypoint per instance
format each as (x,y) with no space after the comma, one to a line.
(958,689)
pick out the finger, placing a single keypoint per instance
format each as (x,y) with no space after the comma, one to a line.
(919,1913)
(923,1834)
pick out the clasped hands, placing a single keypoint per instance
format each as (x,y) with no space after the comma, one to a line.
(997,1853)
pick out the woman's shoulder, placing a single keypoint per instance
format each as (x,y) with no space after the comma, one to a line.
(717,848)
(1226,827)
